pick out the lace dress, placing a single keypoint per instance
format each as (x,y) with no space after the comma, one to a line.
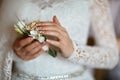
(76,17)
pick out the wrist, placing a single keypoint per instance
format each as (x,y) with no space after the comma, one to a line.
(74,52)
(70,51)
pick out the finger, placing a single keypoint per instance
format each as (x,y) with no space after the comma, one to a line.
(36,49)
(25,41)
(16,46)
(17,53)
(55,20)
(53,33)
(55,43)
(33,56)
(38,53)
(49,28)
(32,46)
(52,27)
(20,54)
(46,24)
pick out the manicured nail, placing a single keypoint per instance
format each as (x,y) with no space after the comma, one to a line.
(45,47)
(48,40)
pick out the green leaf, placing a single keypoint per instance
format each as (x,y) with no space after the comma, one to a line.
(19,31)
(52,52)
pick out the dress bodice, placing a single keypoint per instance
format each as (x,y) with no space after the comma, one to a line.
(73,17)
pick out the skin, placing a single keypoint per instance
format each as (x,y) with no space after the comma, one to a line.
(28,49)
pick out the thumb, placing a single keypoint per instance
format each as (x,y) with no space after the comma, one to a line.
(55,20)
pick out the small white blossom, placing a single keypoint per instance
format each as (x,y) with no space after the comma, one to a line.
(41,39)
(33,32)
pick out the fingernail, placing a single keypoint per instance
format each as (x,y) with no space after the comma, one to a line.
(48,40)
(45,47)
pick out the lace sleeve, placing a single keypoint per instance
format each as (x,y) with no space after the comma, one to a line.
(105,53)
(6,56)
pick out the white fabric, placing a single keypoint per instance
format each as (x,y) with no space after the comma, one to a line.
(76,17)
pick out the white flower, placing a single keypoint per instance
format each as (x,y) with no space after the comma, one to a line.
(33,32)
(21,24)
(41,39)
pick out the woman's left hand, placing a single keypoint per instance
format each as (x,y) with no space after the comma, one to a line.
(55,29)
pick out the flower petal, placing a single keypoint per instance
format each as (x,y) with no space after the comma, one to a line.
(41,39)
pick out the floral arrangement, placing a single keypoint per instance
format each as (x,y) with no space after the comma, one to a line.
(31,30)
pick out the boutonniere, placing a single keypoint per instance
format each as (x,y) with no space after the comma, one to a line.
(31,30)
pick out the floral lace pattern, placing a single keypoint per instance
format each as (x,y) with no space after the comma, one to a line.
(7,68)
(105,54)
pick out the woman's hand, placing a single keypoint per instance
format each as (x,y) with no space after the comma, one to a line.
(55,29)
(27,48)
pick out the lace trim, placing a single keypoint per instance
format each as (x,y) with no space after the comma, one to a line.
(25,76)
(7,68)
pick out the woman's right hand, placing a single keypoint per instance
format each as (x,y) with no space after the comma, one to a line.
(27,48)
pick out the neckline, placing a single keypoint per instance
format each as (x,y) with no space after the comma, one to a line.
(43,4)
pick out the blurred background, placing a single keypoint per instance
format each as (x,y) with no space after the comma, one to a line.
(114,74)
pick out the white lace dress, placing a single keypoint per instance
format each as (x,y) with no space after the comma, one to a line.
(76,16)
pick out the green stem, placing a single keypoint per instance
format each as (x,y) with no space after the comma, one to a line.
(52,52)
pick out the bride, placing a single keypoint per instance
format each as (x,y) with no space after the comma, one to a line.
(68,20)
